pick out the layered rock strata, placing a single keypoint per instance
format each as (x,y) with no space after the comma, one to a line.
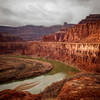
(84,87)
(83,55)
(18,95)
(85,28)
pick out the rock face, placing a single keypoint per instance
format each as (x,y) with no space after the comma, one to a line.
(53,90)
(91,19)
(85,56)
(9,38)
(18,95)
(81,31)
(88,26)
(12,47)
(81,87)
(92,38)
(57,36)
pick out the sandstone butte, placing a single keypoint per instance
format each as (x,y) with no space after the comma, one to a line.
(73,46)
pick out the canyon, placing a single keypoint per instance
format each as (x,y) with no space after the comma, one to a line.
(78,46)
(89,27)
(75,88)
(85,56)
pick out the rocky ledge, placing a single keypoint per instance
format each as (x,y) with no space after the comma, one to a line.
(82,87)
(18,95)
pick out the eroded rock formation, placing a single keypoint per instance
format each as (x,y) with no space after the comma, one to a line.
(57,36)
(84,55)
(81,31)
(4,37)
(86,27)
(91,19)
(82,87)
(18,95)
(12,47)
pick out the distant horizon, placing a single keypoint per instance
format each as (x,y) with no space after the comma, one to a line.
(37,25)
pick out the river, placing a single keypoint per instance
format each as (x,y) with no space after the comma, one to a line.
(59,72)
(43,81)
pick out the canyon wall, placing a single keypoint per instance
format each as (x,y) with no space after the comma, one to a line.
(9,38)
(56,37)
(12,47)
(82,31)
(83,55)
(85,29)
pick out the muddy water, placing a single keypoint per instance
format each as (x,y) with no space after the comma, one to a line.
(41,82)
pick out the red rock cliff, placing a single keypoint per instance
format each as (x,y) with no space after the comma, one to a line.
(86,27)
(84,55)
(83,87)
(57,36)
(18,95)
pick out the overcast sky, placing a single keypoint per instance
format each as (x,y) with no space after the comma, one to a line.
(45,12)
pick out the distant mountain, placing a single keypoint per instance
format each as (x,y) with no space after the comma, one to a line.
(31,32)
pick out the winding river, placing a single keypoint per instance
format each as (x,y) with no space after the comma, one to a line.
(38,84)
(43,81)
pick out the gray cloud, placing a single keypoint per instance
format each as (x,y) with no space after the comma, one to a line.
(45,12)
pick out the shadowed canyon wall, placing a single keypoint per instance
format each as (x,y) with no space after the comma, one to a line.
(12,47)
